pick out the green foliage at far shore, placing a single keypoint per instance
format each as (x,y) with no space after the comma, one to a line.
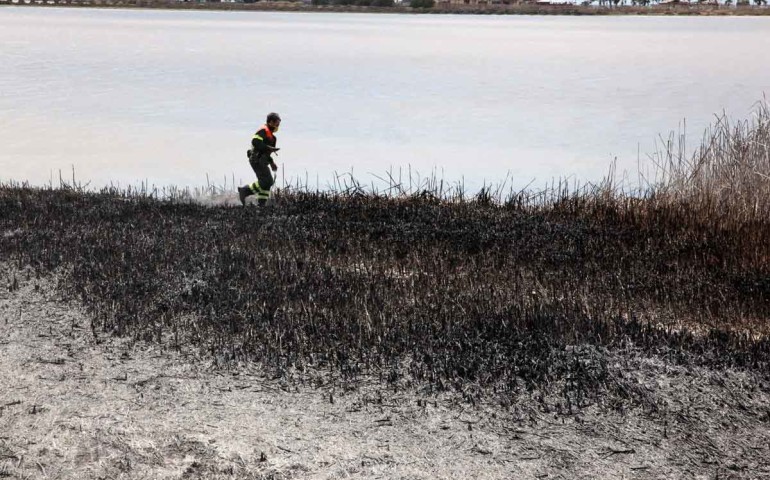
(423,3)
(357,3)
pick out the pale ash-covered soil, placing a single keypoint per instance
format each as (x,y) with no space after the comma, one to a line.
(74,408)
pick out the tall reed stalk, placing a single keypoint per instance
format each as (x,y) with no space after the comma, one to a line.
(729,174)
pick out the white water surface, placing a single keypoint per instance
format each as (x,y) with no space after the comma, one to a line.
(171,97)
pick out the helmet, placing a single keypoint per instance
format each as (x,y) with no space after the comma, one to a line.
(272,117)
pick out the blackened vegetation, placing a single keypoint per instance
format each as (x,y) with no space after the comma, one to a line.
(448,295)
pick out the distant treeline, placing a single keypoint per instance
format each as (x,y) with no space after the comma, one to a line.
(374,3)
(501,7)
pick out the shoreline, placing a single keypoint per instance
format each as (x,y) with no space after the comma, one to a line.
(520,9)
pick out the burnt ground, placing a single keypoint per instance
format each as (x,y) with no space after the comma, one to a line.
(72,407)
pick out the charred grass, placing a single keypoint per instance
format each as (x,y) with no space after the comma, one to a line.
(482,295)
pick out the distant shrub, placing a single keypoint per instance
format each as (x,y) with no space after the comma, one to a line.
(357,3)
(423,3)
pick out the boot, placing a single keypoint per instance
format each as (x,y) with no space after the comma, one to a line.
(243,192)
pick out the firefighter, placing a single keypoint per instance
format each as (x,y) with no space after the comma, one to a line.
(261,161)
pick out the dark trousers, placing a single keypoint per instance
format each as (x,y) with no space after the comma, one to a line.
(261,166)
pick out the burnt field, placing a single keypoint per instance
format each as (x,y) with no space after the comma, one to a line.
(412,290)
(486,296)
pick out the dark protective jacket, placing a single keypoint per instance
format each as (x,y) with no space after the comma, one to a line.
(260,141)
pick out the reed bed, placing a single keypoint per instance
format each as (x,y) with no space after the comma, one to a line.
(425,286)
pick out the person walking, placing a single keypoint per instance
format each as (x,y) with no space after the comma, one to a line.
(261,161)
